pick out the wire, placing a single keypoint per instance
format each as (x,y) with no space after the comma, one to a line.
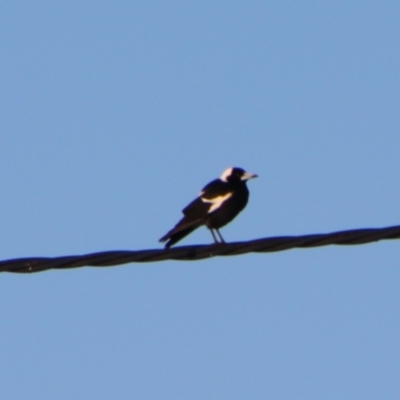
(199,252)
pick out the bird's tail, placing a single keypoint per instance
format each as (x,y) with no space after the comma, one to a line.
(179,232)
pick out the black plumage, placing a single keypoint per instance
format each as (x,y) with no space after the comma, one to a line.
(218,203)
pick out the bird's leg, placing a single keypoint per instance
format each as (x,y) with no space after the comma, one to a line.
(220,236)
(213,235)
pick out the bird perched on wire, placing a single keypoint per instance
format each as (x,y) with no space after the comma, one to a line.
(218,203)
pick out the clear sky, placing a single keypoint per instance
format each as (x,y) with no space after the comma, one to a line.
(115,114)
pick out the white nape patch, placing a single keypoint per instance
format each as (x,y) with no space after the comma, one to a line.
(225,174)
(216,202)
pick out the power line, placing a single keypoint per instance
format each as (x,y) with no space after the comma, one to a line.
(199,252)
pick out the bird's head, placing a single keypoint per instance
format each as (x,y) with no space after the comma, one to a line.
(234,174)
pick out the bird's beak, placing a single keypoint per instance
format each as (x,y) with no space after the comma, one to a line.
(246,176)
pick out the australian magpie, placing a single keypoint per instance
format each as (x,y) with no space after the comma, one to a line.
(218,203)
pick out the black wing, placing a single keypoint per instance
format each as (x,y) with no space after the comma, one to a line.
(216,188)
(198,208)
(194,216)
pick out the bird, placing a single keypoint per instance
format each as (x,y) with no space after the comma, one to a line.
(218,203)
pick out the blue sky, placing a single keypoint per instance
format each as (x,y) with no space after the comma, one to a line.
(115,114)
